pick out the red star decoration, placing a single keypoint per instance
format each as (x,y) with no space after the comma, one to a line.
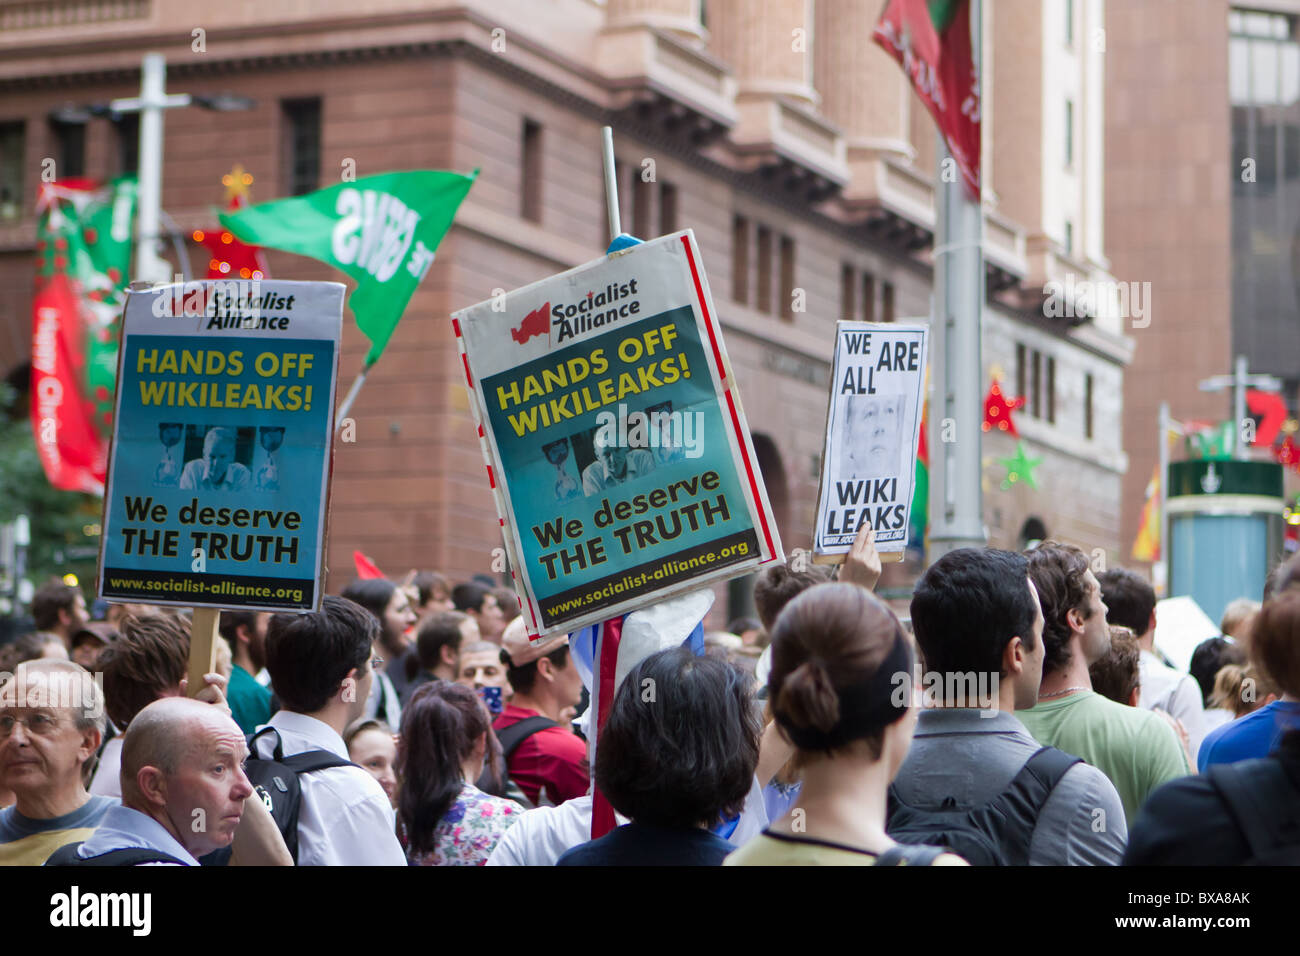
(998,409)
(230,258)
(1288,453)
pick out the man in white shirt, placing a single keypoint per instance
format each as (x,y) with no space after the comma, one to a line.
(217,470)
(1131,602)
(614,465)
(320,668)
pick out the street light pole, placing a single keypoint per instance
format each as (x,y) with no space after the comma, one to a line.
(1239,381)
(151,102)
(957,502)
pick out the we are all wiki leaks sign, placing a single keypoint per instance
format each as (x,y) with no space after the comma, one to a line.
(615,441)
(218,475)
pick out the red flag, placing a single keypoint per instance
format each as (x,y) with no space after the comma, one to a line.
(932,42)
(366,568)
(82,257)
(71,449)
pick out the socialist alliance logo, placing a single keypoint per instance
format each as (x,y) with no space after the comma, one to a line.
(537,322)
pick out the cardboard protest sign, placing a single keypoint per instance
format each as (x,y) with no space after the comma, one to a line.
(872,427)
(614,438)
(218,477)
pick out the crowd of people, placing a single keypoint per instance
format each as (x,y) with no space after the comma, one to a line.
(1022,715)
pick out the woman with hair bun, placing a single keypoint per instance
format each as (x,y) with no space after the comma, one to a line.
(841,690)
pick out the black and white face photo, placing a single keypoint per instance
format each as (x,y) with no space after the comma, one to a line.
(872,431)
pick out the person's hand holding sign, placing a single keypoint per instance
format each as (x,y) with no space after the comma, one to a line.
(862,564)
(214,691)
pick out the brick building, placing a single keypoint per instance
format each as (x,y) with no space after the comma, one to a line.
(775,129)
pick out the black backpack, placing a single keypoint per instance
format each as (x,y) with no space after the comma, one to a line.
(995,834)
(276,782)
(127,856)
(518,732)
(1265,803)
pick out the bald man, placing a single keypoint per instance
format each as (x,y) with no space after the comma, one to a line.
(183,788)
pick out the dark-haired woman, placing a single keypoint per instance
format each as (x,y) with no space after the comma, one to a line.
(676,757)
(841,690)
(446,737)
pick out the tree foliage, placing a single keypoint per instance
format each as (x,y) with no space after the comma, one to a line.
(59,519)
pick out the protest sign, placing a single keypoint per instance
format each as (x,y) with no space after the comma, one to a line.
(615,442)
(218,477)
(872,427)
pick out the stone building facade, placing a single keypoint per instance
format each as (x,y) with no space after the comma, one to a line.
(775,129)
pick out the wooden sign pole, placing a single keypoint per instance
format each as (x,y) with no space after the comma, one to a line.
(203,647)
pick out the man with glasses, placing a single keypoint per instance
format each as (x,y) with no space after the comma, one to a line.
(322,667)
(51,724)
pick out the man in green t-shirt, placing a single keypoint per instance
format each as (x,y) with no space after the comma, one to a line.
(1135,748)
(250,702)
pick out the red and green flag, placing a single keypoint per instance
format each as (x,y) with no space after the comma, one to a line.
(1214,441)
(931,40)
(381,230)
(920,513)
(83,257)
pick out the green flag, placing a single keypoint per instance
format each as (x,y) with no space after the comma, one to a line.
(381,230)
(1213,441)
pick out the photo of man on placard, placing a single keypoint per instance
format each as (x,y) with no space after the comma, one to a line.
(872,432)
(217,470)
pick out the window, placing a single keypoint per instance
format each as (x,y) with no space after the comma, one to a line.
(848,293)
(69,148)
(740,260)
(1069,23)
(887,302)
(642,205)
(1035,384)
(763,301)
(1051,391)
(667,208)
(786,306)
(1021,377)
(302,145)
(1069,133)
(127,128)
(530,171)
(868,297)
(11,170)
(1069,238)
(1087,406)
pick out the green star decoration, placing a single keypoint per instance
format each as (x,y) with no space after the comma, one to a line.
(1020,467)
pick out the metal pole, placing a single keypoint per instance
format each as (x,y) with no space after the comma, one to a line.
(957,501)
(346,405)
(1240,449)
(1161,571)
(149,266)
(611,184)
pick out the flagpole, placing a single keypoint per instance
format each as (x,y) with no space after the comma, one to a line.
(957,504)
(605,662)
(346,405)
(611,183)
(1161,568)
